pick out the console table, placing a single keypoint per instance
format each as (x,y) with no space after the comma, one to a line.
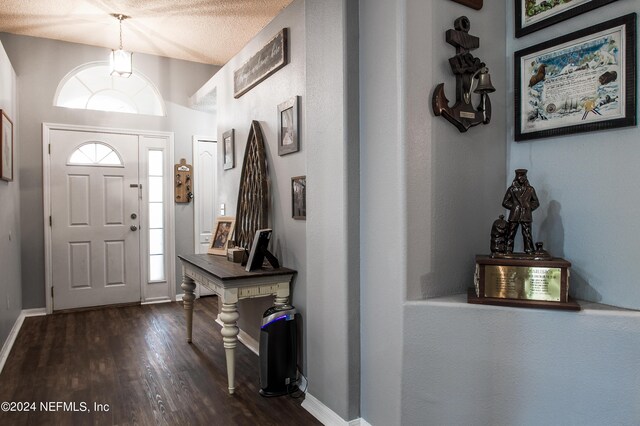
(231,283)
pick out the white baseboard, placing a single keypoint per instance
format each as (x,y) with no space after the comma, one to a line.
(245,339)
(37,312)
(155,301)
(179,297)
(13,334)
(326,415)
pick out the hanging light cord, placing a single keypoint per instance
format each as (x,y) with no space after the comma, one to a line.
(120,20)
(120,17)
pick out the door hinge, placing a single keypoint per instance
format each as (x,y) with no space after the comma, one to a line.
(52,292)
(50,221)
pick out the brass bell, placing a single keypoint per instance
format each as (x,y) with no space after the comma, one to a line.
(484,83)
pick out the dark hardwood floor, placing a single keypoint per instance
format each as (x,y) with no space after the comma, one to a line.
(136,360)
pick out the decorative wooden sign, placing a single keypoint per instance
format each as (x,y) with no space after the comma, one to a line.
(268,60)
(252,212)
(474,4)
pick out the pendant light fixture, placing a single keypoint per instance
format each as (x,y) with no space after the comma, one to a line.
(121,60)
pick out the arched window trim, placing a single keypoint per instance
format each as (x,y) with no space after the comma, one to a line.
(95,163)
(74,72)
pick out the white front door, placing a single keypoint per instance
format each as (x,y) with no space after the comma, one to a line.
(95,241)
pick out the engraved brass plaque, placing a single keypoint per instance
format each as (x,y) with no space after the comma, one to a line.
(522,282)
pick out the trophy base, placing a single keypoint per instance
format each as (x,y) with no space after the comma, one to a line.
(520,281)
(569,305)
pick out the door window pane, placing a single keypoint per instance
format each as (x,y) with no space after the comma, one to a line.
(155,189)
(156,228)
(156,267)
(156,243)
(156,215)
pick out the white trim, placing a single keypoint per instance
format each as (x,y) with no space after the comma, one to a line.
(251,343)
(326,415)
(197,226)
(37,312)
(156,301)
(13,334)
(179,297)
(11,338)
(46,200)
(46,181)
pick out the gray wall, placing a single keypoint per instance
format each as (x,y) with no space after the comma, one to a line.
(323,70)
(584,181)
(40,65)
(333,247)
(448,362)
(429,192)
(261,103)
(10,275)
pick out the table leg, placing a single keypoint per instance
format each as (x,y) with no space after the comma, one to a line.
(188,285)
(229,316)
(282,297)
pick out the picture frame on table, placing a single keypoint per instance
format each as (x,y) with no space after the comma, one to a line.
(579,82)
(534,15)
(6,147)
(222,233)
(299,197)
(288,134)
(228,149)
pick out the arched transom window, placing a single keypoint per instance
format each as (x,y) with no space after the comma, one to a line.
(90,86)
(95,154)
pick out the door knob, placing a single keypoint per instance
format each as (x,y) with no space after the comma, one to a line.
(133,228)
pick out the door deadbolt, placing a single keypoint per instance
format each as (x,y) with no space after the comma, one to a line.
(133,215)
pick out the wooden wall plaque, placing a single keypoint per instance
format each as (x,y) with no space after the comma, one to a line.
(474,4)
(268,60)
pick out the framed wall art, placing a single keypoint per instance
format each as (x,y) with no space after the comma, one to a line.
(299,197)
(579,82)
(6,147)
(288,135)
(228,149)
(533,15)
(222,232)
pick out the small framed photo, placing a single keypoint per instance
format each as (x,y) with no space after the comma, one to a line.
(222,233)
(579,82)
(6,148)
(228,149)
(299,197)
(288,135)
(533,15)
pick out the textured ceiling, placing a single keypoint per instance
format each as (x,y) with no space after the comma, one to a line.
(207,31)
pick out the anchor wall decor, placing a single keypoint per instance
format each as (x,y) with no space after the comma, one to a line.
(467,68)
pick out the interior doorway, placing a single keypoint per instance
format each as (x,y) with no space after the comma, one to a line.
(205,161)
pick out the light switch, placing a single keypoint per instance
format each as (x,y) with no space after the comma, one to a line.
(222,210)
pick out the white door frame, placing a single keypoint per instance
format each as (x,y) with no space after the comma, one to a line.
(196,200)
(197,226)
(46,181)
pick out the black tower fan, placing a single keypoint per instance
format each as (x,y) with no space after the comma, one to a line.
(278,351)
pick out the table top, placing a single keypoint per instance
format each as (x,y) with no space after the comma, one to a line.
(226,270)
